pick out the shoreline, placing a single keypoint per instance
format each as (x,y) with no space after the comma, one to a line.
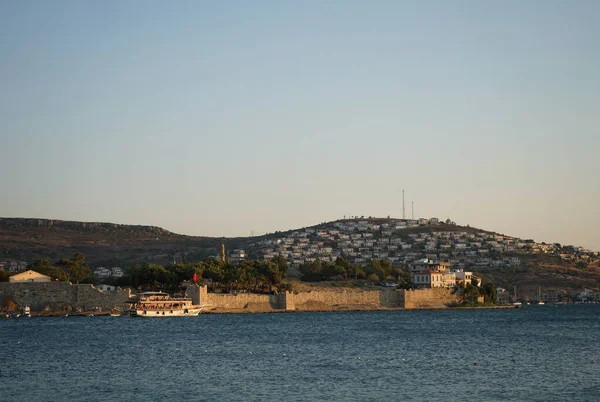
(274,311)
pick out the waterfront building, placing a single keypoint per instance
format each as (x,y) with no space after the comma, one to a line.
(463,277)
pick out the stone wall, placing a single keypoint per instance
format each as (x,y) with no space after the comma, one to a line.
(428,298)
(392,298)
(316,300)
(62,295)
(240,301)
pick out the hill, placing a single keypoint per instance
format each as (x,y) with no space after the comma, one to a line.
(502,259)
(102,243)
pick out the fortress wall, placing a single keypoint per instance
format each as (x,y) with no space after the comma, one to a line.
(428,298)
(88,297)
(392,298)
(242,301)
(287,301)
(62,294)
(38,295)
(303,301)
(317,300)
(58,295)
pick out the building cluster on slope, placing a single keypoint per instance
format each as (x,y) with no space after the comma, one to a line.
(13,266)
(103,272)
(404,242)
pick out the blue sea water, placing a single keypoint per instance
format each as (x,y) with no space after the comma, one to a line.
(540,353)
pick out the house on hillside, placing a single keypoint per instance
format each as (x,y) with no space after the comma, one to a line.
(29,277)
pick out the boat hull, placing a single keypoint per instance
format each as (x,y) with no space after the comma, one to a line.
(167,313)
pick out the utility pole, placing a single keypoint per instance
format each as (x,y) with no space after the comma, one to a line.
(413,210)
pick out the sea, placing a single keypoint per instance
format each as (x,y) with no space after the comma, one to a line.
(535,353)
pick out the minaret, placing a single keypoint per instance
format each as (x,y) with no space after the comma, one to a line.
(222,252)
(403,214)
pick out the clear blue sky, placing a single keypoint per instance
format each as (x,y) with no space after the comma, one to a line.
(218,118)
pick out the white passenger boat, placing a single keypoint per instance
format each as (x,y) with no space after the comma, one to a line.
(160,304)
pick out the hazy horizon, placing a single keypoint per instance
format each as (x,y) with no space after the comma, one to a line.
(222,119)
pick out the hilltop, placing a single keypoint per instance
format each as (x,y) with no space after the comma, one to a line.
(502,259)
(102,243)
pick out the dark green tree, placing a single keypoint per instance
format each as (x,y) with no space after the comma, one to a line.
(282,264)
(471,294)
(312,271)
(489,292)
(76,268)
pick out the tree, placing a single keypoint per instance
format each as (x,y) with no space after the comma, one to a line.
(490,293)
(376,267)
(270,272)
(402,277)
(334,272)
(386,266)
(76,268)
(355,271)
(4,276)
(373,277)
(342,262)
(471,294)
(282,264)
(150,276)
(213,270)
(43,266)
(231,274)
(312,271)
(184,272)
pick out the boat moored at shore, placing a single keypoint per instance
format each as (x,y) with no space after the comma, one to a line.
(160,304)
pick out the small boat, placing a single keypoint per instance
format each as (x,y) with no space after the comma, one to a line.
(160,304)
(540,301)
(517,304)
(117,312)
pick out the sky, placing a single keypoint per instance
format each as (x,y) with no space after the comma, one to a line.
(227,118)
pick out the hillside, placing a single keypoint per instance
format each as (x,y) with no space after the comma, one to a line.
(102,243)
(499,258)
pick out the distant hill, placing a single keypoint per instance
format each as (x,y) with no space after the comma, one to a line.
(502,259)
(102,243)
